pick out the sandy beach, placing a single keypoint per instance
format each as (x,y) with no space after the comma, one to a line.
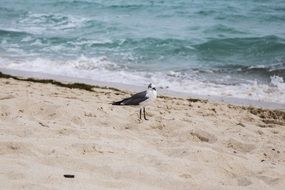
(47,131)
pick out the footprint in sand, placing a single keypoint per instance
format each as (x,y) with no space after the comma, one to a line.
(89,149)
(77,120)
(186,176)
(269,180)
(7,97)
(50,111)
(4,111)
(239,146)
(12,175)
(203,136)
(4,114)
(65,131)
(13,148)
(243,181)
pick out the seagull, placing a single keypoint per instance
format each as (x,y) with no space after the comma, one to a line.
(141,99)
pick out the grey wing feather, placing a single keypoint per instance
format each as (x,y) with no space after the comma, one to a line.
(135,99)
(139,95)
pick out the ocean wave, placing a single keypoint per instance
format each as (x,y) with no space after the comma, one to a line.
(76,4)
(226,30)
(262,45)
(260,56)
(104,70)
(8,13)
(215,49)
(12,33)
(128,7)
(241,51)
(265,70)
(268,70)
(37,23)
(251,48)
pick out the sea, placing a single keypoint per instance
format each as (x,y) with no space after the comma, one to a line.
(223,48)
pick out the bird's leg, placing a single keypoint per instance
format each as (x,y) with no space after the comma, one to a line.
(144,114)
(140,113)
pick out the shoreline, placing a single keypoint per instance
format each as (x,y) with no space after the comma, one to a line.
(132,88)
(75,83)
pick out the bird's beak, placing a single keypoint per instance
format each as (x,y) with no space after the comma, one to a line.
(153,88)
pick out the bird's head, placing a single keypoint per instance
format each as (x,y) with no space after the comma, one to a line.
(151,87)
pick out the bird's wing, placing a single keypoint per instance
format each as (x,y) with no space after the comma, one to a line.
(136,99)
(140,94)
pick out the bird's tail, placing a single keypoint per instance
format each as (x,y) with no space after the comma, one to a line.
(117,103)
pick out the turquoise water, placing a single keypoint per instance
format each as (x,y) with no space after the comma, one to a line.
(211,47)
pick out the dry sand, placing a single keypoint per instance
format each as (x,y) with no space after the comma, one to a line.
(47,131)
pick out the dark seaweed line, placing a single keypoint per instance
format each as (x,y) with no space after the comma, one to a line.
(80,86)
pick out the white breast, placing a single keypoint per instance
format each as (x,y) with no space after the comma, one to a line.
(151,94)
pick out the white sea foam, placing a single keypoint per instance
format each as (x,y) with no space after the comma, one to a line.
(278,82)
(89,42)
(101,69)
(27,39)
(38,23)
